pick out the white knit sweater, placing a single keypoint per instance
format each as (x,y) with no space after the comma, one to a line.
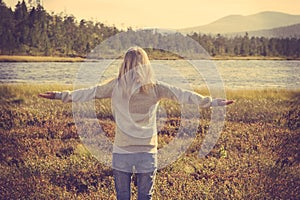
(135,118)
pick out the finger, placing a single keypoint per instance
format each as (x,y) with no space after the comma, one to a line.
(44,95)
(48,95)
(228,102)
(41,95)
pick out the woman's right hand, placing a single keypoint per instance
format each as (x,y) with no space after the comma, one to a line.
(221,102)
(47,95)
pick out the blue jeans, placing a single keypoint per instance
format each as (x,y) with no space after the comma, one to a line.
(144,165)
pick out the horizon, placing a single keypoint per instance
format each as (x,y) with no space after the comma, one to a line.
(167,14)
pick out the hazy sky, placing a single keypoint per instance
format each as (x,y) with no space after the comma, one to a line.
(163,13)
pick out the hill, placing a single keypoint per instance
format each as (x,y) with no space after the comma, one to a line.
(292,31)
(240,23)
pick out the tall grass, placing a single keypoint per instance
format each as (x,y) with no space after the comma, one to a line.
(256,157)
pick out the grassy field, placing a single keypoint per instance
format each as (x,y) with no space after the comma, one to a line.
(256,157)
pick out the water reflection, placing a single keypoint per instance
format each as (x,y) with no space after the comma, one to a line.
(236,74)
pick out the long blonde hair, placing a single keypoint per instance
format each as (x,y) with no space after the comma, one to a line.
(135,71)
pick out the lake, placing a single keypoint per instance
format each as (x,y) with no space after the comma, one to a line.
(233,74)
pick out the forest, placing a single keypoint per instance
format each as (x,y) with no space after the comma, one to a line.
(35,32)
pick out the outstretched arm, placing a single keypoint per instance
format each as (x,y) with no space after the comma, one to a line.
(189,97)
(82,95)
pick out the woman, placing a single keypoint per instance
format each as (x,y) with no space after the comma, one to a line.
(135,95)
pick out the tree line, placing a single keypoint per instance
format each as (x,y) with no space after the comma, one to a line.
(33,31)
(249,46)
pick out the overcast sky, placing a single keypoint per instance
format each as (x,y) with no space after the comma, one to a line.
(170,14)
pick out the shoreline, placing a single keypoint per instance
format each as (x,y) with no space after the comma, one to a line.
(17,58)
(251,58)
(228,89)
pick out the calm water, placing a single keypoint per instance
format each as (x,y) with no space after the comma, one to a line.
(232,74)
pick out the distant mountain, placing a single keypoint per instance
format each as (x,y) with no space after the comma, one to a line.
(281,32)
(240,23)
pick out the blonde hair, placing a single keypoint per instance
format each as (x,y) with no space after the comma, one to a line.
(135,71)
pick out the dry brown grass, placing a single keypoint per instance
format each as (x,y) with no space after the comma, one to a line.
(256,157)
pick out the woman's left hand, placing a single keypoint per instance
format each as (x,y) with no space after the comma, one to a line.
(223,102)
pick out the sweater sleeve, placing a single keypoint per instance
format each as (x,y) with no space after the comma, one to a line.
(87,94)
(183,96)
